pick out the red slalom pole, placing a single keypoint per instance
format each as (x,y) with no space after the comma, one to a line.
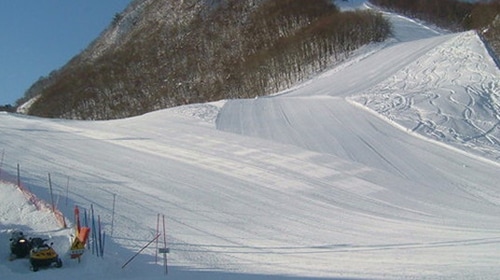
(77,219)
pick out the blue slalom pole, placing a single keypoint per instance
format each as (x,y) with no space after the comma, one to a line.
(94,233)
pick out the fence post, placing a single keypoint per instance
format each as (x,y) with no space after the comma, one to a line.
(51,196)
(18,176)
(165,246)
(1,163)
(113,215)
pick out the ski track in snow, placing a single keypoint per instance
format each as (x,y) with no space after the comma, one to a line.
(445,95)
(384,167)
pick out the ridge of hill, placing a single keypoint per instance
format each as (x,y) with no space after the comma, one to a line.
(159,54)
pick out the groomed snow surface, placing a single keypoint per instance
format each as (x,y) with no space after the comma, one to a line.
(384,167)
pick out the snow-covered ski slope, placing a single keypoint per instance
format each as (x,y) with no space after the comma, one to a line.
(384,167)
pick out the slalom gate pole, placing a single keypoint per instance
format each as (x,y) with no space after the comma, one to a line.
(77,219)
(86,224)
(103,242)
(113,214)
(85,218)
(157,232)
(94,235)
(142,249)
(100,235)
(165,246)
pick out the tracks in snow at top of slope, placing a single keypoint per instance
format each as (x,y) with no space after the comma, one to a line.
(451,94)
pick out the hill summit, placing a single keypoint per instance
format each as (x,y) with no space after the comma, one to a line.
(163,53)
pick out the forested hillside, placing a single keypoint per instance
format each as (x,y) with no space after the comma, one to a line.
(7,108)
(455,15)
(164,53)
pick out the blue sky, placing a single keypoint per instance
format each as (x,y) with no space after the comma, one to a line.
(38,36)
